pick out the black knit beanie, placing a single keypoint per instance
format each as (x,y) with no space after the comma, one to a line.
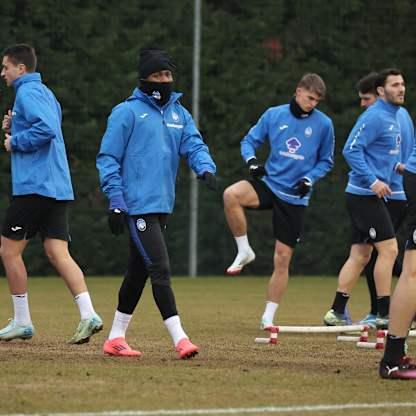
(154,60)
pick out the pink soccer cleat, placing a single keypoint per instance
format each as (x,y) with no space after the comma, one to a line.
(120,348)
(186,349)
(405,369)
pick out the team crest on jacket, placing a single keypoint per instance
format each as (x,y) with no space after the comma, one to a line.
(293,144)
(308,131)
(175,116)
(141,224)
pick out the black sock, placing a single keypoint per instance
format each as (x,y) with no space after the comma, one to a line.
(394,349)
(369,274)
(383,304)
(340,302)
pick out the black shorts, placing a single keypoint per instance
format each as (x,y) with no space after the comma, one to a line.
(370,219)
(28,215)
(288,219)
(409,181)
(397,210)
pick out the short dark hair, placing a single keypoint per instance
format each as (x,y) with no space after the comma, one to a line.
(314,83)
(22,54)
(384,74)
(367,84)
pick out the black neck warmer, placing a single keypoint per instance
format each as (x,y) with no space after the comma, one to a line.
(160,91)
(297,111)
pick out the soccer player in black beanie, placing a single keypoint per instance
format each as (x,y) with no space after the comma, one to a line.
(153,61)
(138,162)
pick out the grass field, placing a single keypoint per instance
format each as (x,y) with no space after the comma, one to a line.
(45,375)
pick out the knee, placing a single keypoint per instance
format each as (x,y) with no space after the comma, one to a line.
(229,197)
(282,257)
(3,252)
(389,252)
(160,273)
(51,256)
(361,258)
(7,254)
(54,256)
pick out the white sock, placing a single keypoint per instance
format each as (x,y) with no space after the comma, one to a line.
(173,325)
(21,309)
(86,310)
(269,312)
(242,243)
(120,324)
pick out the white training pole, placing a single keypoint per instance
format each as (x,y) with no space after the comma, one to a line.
(347,338)
(321,329)
(262,340)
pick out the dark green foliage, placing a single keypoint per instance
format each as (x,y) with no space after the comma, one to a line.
(253,54)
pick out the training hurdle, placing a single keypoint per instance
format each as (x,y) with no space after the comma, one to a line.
(275,330)
(378,345)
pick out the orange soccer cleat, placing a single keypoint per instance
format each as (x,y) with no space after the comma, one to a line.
(120,348)
(186,349)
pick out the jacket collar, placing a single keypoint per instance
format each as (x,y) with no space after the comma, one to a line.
(29,77)
(391,108)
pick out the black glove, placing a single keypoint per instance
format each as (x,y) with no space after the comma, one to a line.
(116,215)
(116,221)
(210,180)
(255,169)
(303,187)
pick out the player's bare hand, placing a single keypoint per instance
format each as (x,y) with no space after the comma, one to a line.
(6,124)
(8,143)
(381,189)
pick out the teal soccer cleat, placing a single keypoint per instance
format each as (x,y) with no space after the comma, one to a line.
(14,331)
(369,320)
(332,318)
(86,329)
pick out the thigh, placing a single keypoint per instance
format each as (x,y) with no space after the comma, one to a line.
(288,221)
(263,195)
(24,216)
(55,224)
(370,219)
(397,210)
(146,234)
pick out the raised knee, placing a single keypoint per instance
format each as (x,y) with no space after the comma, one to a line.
(229,196)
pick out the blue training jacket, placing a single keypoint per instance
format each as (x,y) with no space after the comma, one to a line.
(372,149)
(299,148)
(407,134)
(38,159)
(411,162)
(141,150)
